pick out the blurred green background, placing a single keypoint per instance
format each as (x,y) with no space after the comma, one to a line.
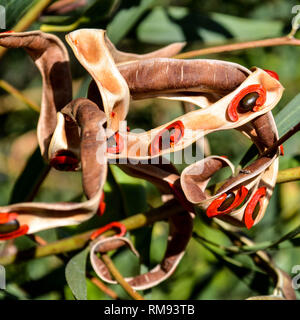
(142,26)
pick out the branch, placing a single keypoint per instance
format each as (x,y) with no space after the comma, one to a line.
(100,285)
(282,41)
(288,175)
(117,275)
(279,142)
(80,240)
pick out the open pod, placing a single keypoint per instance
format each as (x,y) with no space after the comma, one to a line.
(32,217)
(242,200)
(85,133)
(179,234)
(51,57)
(228,94)
(184,130)
(70,133)
(166,178)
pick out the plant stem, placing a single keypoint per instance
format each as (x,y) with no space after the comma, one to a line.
(80,240)
(279,142)
(119,278)
(28,19)
(97,282)
(288,175)
(281,41)
(19,95)
(65,28)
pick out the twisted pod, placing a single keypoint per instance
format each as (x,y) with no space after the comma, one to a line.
(73,135)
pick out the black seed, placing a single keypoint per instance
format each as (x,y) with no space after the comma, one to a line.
(227,202)
(10,226)
(248,102)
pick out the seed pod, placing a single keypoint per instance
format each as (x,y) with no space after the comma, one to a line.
(52,59)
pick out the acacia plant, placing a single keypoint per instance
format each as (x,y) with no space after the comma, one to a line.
(86,135)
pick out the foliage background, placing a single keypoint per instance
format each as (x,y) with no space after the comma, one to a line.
(142,26)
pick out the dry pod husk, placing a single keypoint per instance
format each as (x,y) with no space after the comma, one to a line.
(72,136)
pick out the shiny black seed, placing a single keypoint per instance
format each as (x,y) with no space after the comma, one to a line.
(227,202)
(248,102)
(10,226)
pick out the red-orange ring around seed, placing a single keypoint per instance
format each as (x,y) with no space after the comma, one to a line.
(9,216)
(118,148)
(272,73)
(260,193)
(109,226)
(178,127)
(212,209)
(64,160)
(18,233)
(232,108)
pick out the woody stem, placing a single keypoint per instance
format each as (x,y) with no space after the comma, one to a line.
(117,275)
(281,41)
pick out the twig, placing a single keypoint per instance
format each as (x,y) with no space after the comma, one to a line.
(97,282)
(19,95)
(79,241)
(279,142)
(262,259)
(232,249)
(39,240)
(281,41)
(119,278)
(288,175)
(65,28)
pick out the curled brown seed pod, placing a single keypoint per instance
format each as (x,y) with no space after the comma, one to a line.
(52,59)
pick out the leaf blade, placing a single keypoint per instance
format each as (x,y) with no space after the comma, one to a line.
(75,274)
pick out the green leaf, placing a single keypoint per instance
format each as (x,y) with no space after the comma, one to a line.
(30,178)
(75,274)
(15,9)
(126,19)
(290,236)
(158,28)
(165,25)
(132,191)
(289,116)
(244,269)
(248,29)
